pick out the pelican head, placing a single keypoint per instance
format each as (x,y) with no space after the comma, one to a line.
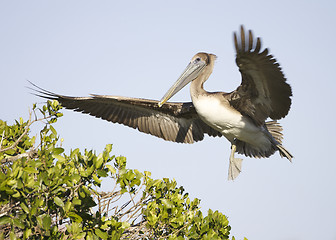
(196,68)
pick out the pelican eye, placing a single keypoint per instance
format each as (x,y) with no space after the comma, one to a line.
(197,60)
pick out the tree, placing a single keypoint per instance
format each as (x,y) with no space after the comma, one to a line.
(47,194)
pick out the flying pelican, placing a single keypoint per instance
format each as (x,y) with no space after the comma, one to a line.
(240,115)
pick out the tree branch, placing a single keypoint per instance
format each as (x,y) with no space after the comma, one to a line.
(30,154)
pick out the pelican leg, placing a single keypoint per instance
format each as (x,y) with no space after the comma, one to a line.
(235,164)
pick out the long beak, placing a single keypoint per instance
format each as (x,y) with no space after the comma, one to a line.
(191,72)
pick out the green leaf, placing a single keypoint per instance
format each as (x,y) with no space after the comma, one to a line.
(89,236)
(99,160)
(108,148)
(74,153)
(11,182)
(10,152)
(12,235)
(18,223)
(39,202)
(24,207)
(59,157)
(100,233)
(67,206)
(53,130)
(27,233)
(125,225)
(101,173)
(33,210)
(167,203)
(111,169)
(75,217)
(75,178)
(76,201)
(81,235)
(57,151)
(46,224)
(59,202)
(94,176)
(30,182)
(30,170)
(4,220)
(40,220)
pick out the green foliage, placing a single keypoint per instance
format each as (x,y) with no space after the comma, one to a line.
(47,194)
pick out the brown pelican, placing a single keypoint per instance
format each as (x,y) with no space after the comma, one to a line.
(240,115)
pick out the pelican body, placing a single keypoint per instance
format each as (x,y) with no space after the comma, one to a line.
(240,115)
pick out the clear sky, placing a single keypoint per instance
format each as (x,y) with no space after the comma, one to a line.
(139,48)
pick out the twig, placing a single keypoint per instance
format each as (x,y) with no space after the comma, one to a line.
(22,135)
(29,154)
(30,122)
(2,138)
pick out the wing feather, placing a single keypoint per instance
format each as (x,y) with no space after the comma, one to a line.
(177,122)
(264,91)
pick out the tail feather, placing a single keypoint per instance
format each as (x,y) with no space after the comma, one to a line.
(276,136)
(284,153)
(275,130)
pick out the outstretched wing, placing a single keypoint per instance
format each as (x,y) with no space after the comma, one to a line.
(177,122)
(263,92)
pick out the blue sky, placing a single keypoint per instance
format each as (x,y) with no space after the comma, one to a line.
(139,48)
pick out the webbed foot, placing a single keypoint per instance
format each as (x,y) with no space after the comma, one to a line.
(235,166)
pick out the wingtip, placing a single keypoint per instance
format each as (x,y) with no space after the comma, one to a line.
(235,40)
(246,41)
(242,37)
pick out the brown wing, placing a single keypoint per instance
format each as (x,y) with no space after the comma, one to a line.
(263,92)
(177,122)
